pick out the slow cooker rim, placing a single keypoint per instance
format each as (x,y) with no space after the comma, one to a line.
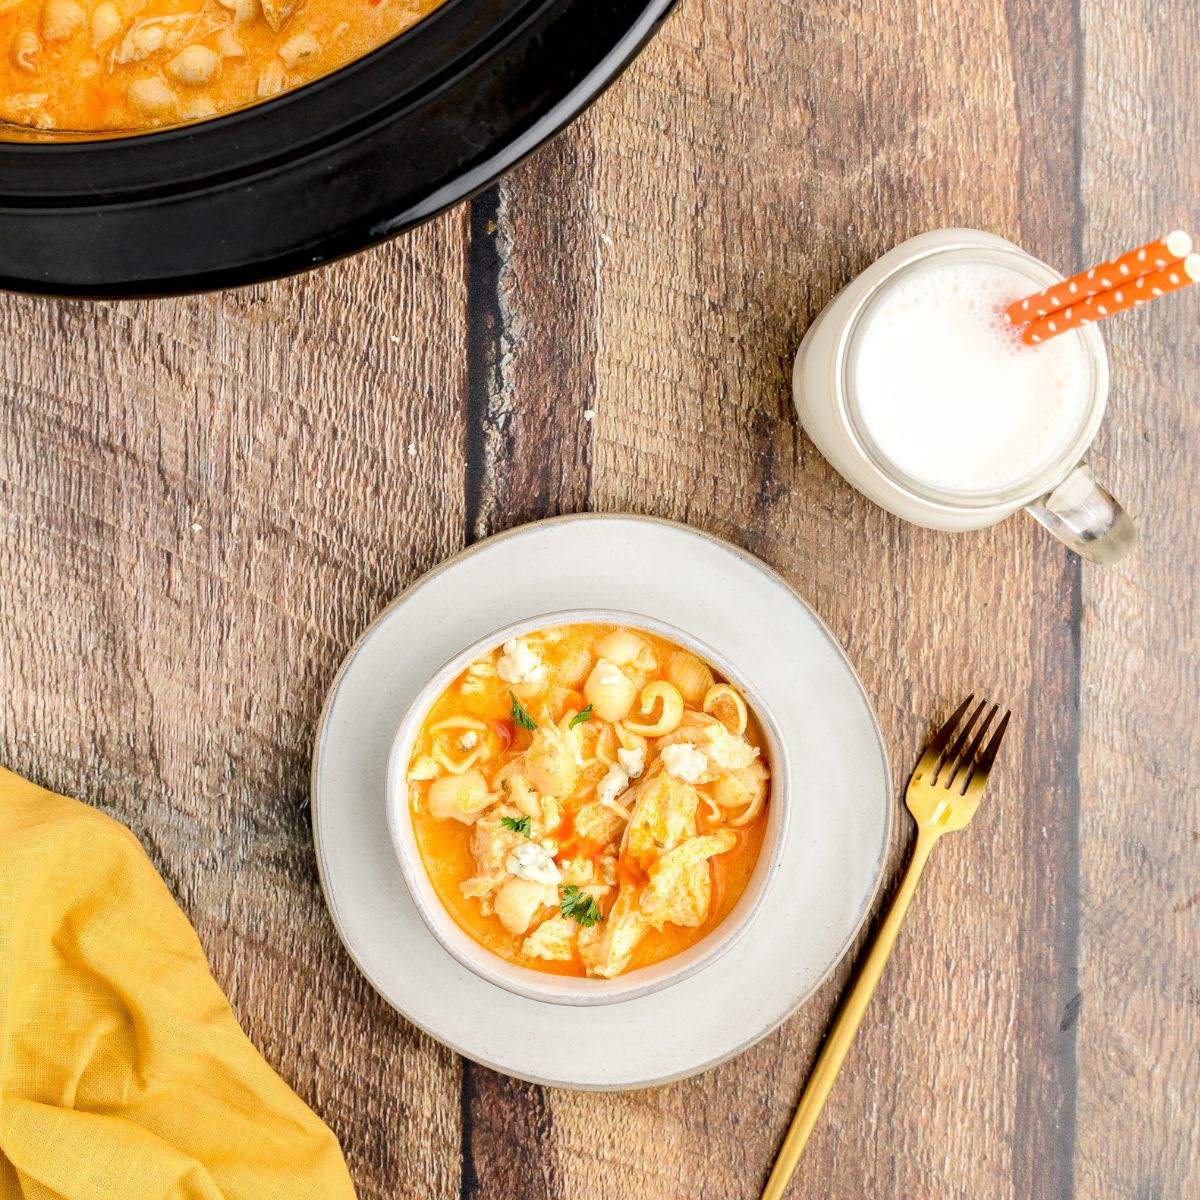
(250,138)
(346,194)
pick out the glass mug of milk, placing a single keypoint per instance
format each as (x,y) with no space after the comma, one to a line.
(916,387)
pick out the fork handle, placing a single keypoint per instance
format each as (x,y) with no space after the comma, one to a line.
(849,1018)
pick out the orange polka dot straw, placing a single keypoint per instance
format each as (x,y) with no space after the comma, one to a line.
(1151,257)
(1141,290)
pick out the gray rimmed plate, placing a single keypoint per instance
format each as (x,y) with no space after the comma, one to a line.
(831,858)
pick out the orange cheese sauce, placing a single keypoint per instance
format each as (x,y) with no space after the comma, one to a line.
(105,66)
(480,698)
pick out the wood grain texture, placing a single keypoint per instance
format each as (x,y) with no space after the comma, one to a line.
(713,264)
(203,501)
(1139,1009)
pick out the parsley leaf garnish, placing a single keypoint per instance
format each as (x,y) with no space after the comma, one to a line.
(580,905)
(579,718)
(517,825)
(521,719)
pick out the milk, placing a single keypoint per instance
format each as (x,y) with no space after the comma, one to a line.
(946,392)
(914,388)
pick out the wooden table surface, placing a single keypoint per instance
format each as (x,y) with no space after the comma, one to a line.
(203,501)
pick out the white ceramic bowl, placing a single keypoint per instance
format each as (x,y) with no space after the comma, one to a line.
(560,989)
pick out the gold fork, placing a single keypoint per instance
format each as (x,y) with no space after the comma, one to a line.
(942,795)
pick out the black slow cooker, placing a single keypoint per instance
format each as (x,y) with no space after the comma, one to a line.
(375,148)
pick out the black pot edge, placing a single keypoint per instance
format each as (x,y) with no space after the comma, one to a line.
(371,231)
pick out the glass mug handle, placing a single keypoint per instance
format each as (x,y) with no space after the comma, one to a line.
(1082,514)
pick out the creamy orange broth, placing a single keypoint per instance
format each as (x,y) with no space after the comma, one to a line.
(110,65)
(479,702)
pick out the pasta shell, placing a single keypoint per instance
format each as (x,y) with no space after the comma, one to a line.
(621,646)
(609,691)
(228,45)
(457,766)
(152,96)
(24,46)
(106,23)
(691,676)
(459,797)
(518,900)
(62,19)
(669,717)
(459,722)
(194,65)
(753,781)
(726,704)
(141,41)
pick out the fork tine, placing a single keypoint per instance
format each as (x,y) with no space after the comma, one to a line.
(983,766)
(951,757)
(962,765)
(933,752)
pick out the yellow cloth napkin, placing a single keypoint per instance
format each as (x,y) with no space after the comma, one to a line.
(123,1072)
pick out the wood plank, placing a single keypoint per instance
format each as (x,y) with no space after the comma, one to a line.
(202,503)
(533,268)
(1139,1005)
(532,276)
(1047,100)
(744,172)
